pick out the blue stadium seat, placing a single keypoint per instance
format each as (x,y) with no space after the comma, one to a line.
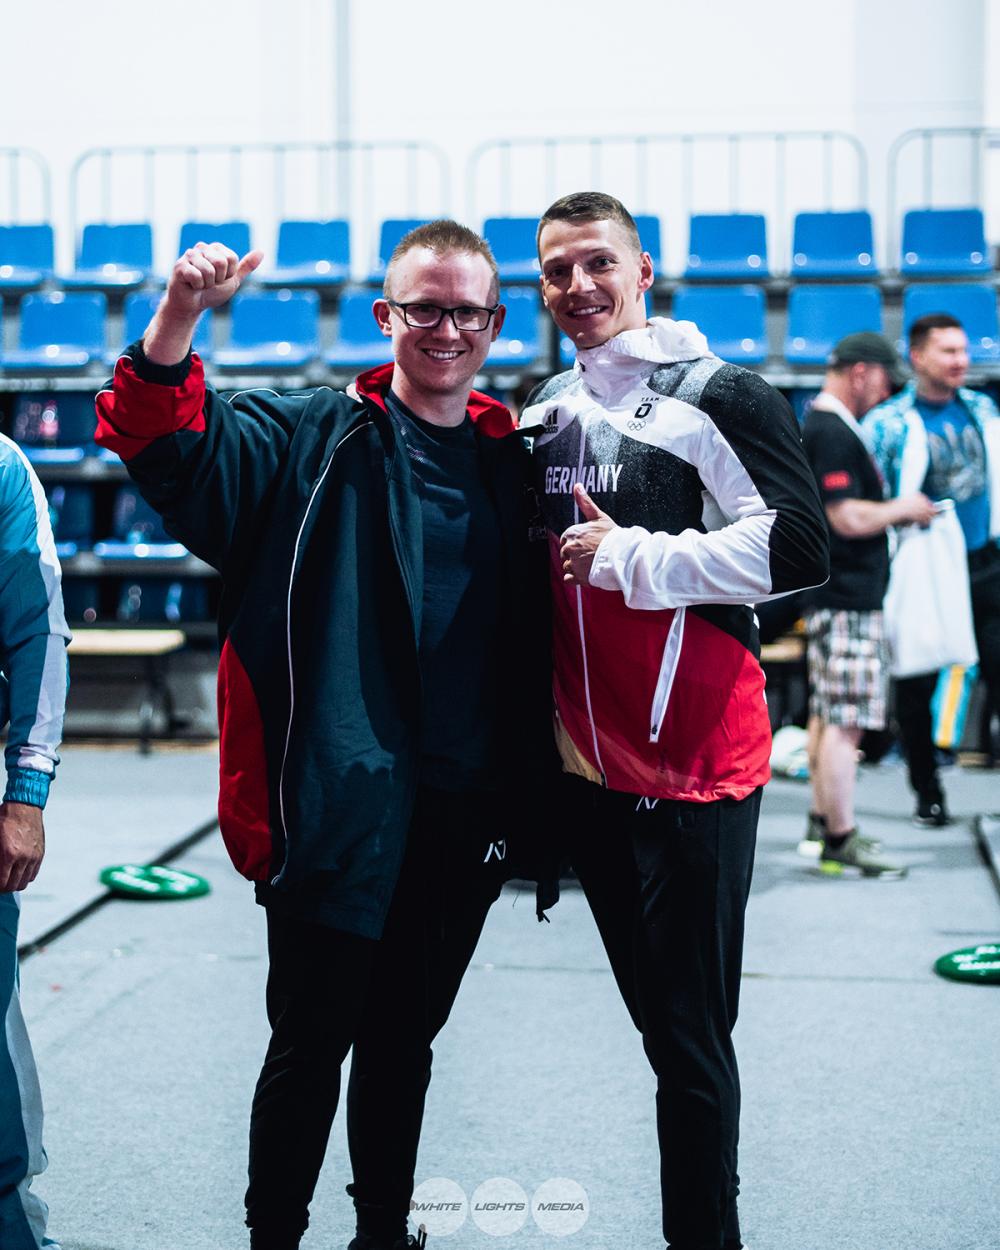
(567,352)
(233,234)
(139,309)
(727,245)
(71,512)
(55,427)
(973,304)
(81,599)
(113,258)
(650,236)
(513,242)
(137,532)
(392,230)
(359,344)
(59,332)
(944,242)
(27,257)
(272,330)
(163,599)
(819,316)
(312,254)
(833,245)
(519,342)
(730,317)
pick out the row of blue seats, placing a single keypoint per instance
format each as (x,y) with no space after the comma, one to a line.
(935,243)
(136,530)
(62,332)
(147,600)
(280,330)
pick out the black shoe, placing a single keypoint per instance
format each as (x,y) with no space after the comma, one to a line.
(931,810)
(364,1241)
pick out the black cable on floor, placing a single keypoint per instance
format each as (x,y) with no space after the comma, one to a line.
(171,853)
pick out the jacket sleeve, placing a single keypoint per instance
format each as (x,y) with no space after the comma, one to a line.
(206,464)
(767,535)
(33,634)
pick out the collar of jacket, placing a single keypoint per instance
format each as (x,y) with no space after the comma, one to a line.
(906,401)
(488,414)
(611,368)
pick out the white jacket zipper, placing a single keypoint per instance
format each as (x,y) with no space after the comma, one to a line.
(579,615)
(668,671)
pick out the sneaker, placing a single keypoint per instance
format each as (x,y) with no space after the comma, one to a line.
(931,810)
(365,1241)
(853,858)
(812,844)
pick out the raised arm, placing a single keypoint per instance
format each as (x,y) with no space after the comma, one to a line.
(207,465)
(208,275)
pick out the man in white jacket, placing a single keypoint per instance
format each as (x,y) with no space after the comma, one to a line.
(675,493)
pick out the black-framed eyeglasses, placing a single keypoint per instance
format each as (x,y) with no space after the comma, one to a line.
(426,316)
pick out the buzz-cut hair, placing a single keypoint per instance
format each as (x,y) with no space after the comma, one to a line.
(443,237)
(921,329)
(584,206)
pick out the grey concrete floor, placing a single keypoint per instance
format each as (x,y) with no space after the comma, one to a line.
(871,1114)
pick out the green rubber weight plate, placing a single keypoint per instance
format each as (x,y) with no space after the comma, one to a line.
(972,963)
(153,881)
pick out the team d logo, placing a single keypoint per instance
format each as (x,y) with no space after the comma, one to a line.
(638,419)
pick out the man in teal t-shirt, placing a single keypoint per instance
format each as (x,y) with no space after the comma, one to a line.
(939,437)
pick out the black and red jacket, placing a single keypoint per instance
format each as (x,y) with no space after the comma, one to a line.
(658,686)
(306,505)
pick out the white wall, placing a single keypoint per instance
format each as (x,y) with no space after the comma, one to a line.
(107,72)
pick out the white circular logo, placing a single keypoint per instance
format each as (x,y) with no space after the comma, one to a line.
(560,1206)
(500,1207)
(440,1205)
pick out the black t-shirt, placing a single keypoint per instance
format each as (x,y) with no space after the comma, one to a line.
(859,567)
(460,630)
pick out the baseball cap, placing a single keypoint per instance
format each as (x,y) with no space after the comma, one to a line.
(869,348)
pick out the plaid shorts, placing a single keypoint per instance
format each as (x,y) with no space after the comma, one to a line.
(848,668)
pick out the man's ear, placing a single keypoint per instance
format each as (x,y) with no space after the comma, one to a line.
(646,274)
(498,317)
(383,316)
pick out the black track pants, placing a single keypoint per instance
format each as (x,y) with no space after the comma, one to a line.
(328,991)
(668,885)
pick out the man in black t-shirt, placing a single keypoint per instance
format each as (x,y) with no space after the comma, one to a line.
(848,674)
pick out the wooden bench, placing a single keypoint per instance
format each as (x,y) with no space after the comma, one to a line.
(154,647)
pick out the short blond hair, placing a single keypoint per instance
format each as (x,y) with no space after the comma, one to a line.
(443,237)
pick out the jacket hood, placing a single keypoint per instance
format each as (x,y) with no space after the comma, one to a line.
(660,342)
(488,414)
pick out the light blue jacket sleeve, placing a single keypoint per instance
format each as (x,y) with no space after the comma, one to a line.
(33,631)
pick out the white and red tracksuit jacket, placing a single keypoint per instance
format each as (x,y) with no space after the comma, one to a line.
(658,685)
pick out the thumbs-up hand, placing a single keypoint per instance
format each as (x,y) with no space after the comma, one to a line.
(208,275)
(579,543)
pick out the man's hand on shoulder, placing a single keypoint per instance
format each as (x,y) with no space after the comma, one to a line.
(579,543)
(22,845)
(206,276)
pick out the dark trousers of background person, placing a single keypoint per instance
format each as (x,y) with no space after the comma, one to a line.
(914,694)
(668,883)
(328,991)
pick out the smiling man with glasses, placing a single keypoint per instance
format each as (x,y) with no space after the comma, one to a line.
(378,550)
